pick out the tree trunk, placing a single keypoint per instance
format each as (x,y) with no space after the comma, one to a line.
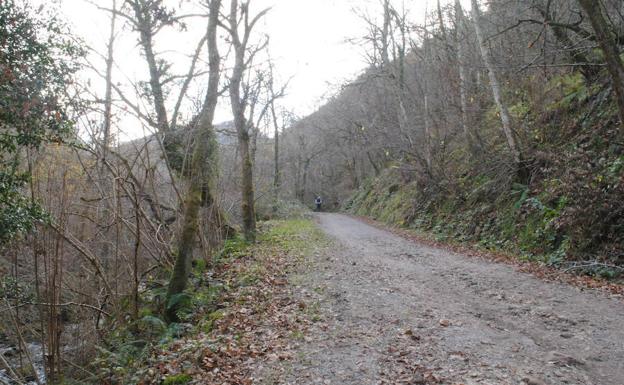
(352,168)
(372,162)
(108,97)
(203,171)
(304,179)
(253,144)
(425,90)
(298,177)
(495,86)
(248,206)
(276,170)
(239,105)
(385,35)
(588,70)
(104,177)
(186,243)
(607,41)
(145,25)
(463,75)
(428,136)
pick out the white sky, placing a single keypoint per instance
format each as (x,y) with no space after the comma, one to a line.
(308,42)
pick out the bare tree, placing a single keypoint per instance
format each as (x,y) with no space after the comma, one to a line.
(495,86)
(243,54)
(607,39)
(149,18)
(463,75)
(202,170)
(108,97)
(276,133)
(560,30)
(104,178)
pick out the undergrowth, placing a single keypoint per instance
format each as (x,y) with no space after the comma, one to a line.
(569,213)
(132,354)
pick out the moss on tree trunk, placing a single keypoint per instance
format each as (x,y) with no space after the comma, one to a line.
(202,176)
(248,210)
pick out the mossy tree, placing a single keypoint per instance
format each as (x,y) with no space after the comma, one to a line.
(202,170)
(240,26)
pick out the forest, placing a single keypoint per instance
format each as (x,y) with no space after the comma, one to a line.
(159,226)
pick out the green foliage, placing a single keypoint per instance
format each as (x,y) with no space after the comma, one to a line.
(208,323)
(539,236)
(204,298)
(615,169)
(17,213)
(233,248)
(180,303)
(519,110)
(568,210)
(357,199)
(396,207)
(522,191)
(15,290)
(153,325)
(573,90)
(130,346)
(290,235)
(37,60)
(116,362)
(199,266)
(178,379)
(129,350)
(516,221)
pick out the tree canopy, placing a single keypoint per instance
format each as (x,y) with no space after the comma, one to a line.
(37,59)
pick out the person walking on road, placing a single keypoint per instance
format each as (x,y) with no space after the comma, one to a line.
(318,202)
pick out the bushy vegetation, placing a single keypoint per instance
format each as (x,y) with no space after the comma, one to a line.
(496,126)
(34,73)
(131,353)
(570,209)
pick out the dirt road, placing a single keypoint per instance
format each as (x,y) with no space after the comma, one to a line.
(394,311)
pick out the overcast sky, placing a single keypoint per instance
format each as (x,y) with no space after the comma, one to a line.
(308,42)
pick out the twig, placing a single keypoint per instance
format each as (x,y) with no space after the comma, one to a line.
(9,307)
(593,264)
(82,249)
(12,373)
(23,344)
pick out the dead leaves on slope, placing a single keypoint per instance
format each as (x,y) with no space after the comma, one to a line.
(254,330)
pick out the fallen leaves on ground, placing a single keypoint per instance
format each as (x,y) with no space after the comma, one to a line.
(256,326)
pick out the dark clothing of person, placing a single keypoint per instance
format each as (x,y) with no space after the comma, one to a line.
(318,203)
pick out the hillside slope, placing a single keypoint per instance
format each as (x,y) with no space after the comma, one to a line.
(569,212)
